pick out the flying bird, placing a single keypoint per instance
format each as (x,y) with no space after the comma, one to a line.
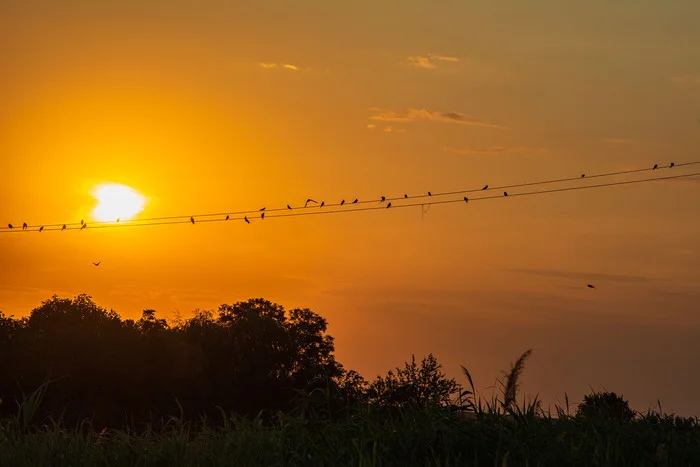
(383,199)
(323,203)
(41,228)
(24,226)
(355,202)
(466,200)
(96,263)
(505,193)
(192,219)
(309,201)
(64,227)
(656,166)
(227,217)
(289,207)
(388,205)
(672,164)
(245,218)
(485,188)
(10,226)
(591,286)
(342,202)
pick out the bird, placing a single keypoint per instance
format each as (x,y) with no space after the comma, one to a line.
(10,226)
(355,202)
(82,222)
(262,216)
(485,187)
(96,263)
(192,219)
(430,194)
(289,207)
(245,218)
(64,227)
(405,196)
(583,175)
(672,164)
(227,217)
(591,286)
(41,228)
(383,199)
(388,205)
(118,219)
(83,226)
(24,226)
(505,193)
(342,202)
(323,203)
(656,166)
(466,200)
(262,209)
(309,201)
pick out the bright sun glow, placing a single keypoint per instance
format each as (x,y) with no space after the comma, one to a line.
(116,202)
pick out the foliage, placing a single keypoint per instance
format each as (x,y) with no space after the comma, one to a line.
(606,405)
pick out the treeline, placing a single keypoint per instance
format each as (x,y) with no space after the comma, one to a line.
(245,358)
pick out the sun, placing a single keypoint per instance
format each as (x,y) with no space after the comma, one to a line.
(116,202)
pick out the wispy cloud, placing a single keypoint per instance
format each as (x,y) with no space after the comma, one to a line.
(286,66)
(687,78)
(436,116)
(617,141)
(430,61)
(493,150)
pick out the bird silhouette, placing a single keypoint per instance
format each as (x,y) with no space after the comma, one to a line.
(41,228)
(84,225)
(383,199)
(430,194)
(591,286)
(192,219)
(466,200)
(485,187)
(64,227)
(24,226)
(656,166)
(262,209)
(405,196)
(309,201)
(97,263)
(227,217)
(82,222)
(262,216)
(355,202)
(289,207)
(505,193)
(672,164)
(323,203)
(10,226)
(388,205)
(583,175)
(342,202)
(245,218)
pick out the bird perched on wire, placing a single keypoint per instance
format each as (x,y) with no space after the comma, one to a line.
(505,193)
(388,205)
(486,187)
(245,218)
(41,228)
(342,202)
(672,164)
(323,203)
(10,226)
(466,200)
(262,209)
(583,175)
(227,217)
(262,216)
(383,199)
(289,207)
(83,226)
(24,226)
(405,196)
(192,219)
(430,194)
(63,228)
(591,286)
(309,201)
(355,202)
(656,166)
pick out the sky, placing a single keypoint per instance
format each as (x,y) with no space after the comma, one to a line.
(220,106)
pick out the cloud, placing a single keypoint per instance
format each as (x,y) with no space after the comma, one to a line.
(429,62)
(617,141)
(687,78)
(444,117)
(270,65)
(493,150)
(583,276)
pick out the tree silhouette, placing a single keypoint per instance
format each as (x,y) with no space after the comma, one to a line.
(605,405)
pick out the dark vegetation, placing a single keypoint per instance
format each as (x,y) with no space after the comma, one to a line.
(254,384)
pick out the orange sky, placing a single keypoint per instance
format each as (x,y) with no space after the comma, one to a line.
(179,101)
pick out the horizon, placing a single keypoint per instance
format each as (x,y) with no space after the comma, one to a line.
(134,111)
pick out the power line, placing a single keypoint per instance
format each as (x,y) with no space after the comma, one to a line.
(173,220)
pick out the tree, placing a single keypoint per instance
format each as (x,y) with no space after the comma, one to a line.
(414,386)
(605,405)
